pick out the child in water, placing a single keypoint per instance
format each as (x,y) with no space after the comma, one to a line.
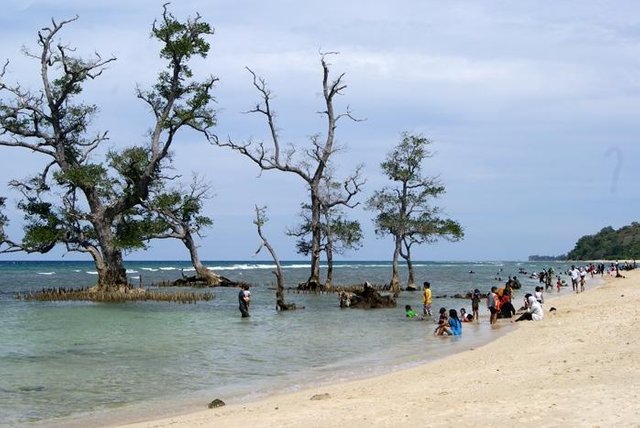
(410,313)
(443,324)
(475,304)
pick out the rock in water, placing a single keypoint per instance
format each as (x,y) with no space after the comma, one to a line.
(368,298)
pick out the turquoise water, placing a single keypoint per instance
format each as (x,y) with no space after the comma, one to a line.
(62,362)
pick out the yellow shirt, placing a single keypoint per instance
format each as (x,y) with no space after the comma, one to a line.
(426,296)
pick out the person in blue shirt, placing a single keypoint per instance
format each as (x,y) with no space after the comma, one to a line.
(455,325)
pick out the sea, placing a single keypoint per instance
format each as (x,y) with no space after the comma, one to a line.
(84,363)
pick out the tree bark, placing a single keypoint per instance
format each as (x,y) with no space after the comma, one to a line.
(395,276)
(316,237)
(111,272)
(108,257)
(329,252)
(201,270)
(411,277)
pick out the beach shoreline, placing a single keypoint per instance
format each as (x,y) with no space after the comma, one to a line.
(579,366)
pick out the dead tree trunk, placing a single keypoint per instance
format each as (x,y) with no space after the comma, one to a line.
(201,270)
(281,304)
(311,166)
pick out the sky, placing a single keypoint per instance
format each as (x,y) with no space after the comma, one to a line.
(532,108)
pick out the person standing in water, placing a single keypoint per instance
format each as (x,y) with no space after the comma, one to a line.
(244,298)
(475,304)
(491,305)
(426,298)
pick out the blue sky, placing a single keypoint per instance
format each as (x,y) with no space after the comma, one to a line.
(532,107)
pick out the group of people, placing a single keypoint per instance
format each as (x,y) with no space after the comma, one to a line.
(498,302)
(449,322)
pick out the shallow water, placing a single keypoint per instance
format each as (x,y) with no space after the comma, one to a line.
(84,360)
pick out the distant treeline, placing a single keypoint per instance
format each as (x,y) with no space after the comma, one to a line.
(537,258)
(608,244)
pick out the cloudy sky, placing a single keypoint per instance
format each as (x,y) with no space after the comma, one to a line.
(533,108)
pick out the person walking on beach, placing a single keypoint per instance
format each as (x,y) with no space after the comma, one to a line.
(583,278)
(244,300)
(491,305)
(575,273)
(426,298)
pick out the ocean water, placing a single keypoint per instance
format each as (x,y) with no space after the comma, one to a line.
(74,363)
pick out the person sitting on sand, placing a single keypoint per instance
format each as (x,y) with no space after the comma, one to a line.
(534,311)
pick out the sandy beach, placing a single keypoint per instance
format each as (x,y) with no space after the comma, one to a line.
(580,366)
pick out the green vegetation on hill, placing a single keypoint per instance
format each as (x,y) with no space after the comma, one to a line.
(609,244)
(537,258)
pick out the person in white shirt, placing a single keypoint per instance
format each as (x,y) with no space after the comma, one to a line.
(575,274)
(583,278)
(534,311)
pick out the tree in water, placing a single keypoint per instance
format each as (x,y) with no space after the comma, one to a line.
(311,166)
(404,209)
(90,206)
(177,214)
(339,234)
(261,219)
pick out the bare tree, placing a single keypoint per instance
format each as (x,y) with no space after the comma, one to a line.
(260,221)
(311,166)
